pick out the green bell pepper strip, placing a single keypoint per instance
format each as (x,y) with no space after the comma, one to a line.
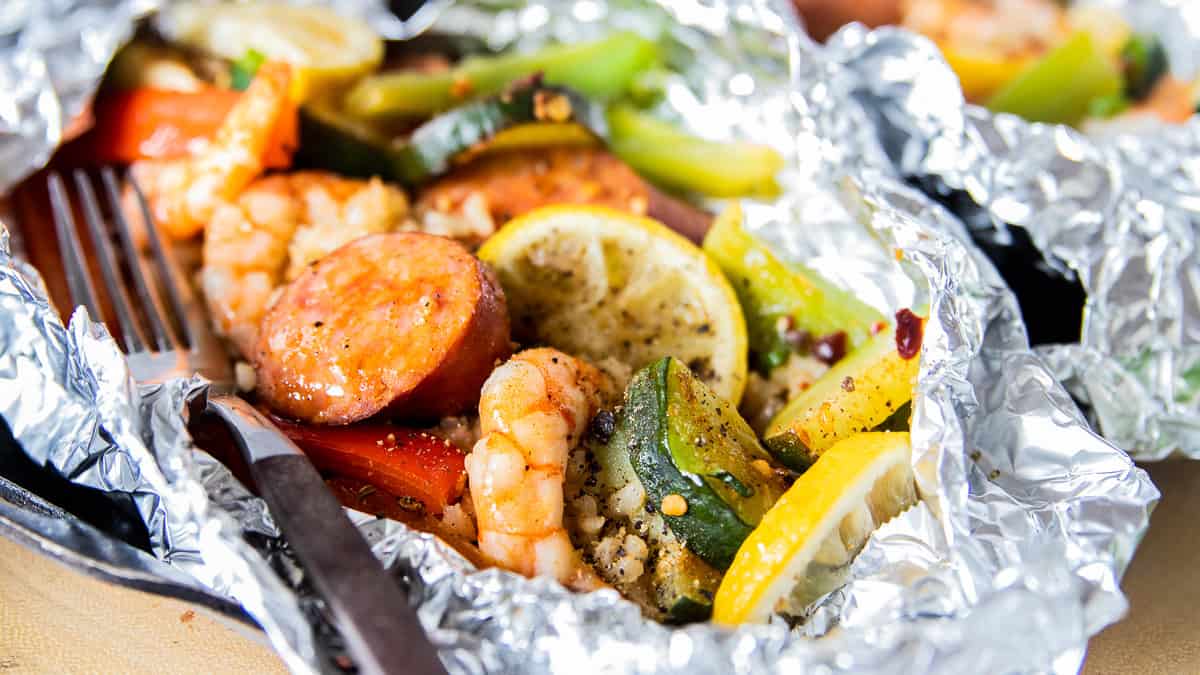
(1060,87)
(600,69)
(770,290)
(675,159)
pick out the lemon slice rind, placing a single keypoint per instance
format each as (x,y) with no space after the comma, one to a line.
(602,283)
(822,521)
(326,49)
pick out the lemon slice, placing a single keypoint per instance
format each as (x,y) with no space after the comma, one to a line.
(803,547)
(601,283)
(326,49)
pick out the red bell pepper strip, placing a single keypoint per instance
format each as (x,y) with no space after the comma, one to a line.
(403,462)
(160,124)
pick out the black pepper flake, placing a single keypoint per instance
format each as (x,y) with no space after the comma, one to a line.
(318,324)
(848,383)
(602,426)
(410,504)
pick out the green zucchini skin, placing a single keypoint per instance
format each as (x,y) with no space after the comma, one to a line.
(333,141)
(438,144)
(330,141)
(711,527)
(857,394)
(684,585)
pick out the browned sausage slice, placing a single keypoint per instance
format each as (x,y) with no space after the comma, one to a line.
(516,182)
(406,323)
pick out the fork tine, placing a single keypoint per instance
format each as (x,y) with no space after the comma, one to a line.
(150,304)
(135,338)
(168,269)
(78,280)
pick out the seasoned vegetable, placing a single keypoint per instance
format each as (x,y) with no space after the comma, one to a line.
(803,547)
(785,307)
(468,129)
(406,463)
(608,286)
(333,141)
(600,69)
(1060,87)
(857,394)
(326,50)
(161,124)
(1144,63)
(674,584)
(667,155)
(684,475)
(982,73)
(684,585)
(699,461)
(407,323)
(529,115)
(1108,106)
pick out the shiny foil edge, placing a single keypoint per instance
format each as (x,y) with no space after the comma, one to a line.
(1011,561)
(1118,209)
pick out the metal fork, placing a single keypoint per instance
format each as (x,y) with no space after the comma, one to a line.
(381,629)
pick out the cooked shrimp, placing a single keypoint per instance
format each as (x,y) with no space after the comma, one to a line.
(278,225)
(184,193)
(534,408)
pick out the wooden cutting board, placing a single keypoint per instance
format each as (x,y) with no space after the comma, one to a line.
(56,620)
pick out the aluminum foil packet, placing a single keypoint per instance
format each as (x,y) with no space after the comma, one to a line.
(1118,209)
(1008,564)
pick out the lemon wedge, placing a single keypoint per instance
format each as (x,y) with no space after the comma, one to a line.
(601,283)
(803,546)
(326,50)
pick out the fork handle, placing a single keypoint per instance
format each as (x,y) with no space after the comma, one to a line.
(381,629)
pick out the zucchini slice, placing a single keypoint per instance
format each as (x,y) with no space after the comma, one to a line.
(459,134)
(686,442)
(858,393)
(683,584)
(332,141)
(676,586)
(528,115)
(770,291)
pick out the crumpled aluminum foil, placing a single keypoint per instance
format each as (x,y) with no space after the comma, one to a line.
(1119,210)
(1008,564)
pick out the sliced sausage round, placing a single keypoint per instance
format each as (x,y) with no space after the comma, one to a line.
(410,324)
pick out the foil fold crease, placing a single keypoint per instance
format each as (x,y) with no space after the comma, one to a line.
(1119,210)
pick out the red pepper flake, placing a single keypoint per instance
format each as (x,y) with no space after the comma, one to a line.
(878,327)
(909,330)
(831,348)
(461,87)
